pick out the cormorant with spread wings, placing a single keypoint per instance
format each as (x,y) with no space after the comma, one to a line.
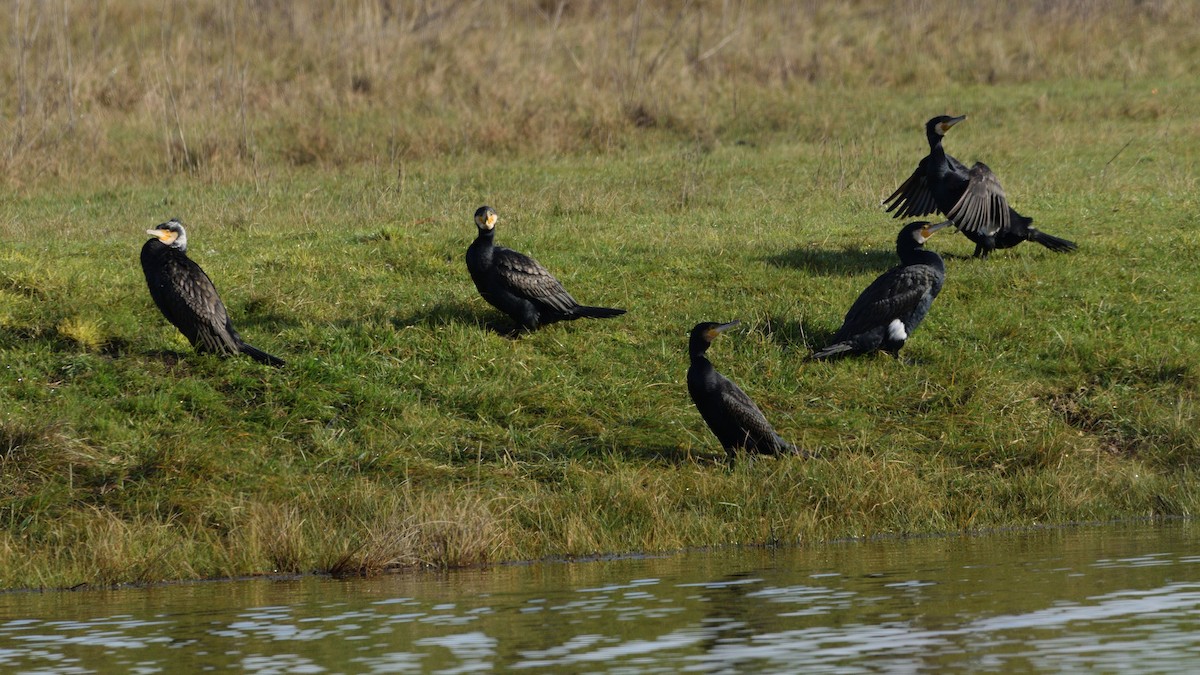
(971,198)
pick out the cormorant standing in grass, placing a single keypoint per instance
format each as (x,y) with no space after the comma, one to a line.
(518,285)
(728,411)
(188,298)
(971,198)
(888,311)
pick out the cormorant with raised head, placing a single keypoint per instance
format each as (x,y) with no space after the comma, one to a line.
(971,198)
(888,311)
(518,285)
(728,411)
(188,298)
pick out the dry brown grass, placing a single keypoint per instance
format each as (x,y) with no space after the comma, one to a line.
(128,88)
(367,533)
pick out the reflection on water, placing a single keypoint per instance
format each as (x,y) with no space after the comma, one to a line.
(1093,598)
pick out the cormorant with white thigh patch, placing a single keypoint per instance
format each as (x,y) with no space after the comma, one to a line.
(888,311)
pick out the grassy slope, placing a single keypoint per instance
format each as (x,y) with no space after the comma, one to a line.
(405,430)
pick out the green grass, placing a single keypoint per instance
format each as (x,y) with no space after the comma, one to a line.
(406,430)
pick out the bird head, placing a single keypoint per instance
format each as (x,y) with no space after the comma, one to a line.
(170,233)
(938,126)
(919,232)
(485,219)
(704,333)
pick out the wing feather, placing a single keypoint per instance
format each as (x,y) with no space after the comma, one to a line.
(197,304)
(891,296)
(983,206)
(748,417)
(913,198)
(527,277)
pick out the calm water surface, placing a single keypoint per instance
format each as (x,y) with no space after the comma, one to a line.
(1097,598)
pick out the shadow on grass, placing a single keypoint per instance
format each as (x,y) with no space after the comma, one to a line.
(173,359)
(449,313)
(803,335)
(267,322)
(846,262)
(57,342)
(670,455)
(14,336)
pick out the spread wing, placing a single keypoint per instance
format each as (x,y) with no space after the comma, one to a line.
(913,198)
(891,296)
(983,206)
(526,277)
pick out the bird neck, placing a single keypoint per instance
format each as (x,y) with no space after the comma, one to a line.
(482,249)
(935,140)
(917,254)
(158,248)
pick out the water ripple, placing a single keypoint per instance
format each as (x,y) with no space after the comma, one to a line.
(1075,601)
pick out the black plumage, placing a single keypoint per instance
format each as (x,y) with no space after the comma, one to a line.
(518,285)
(187,297)
(971,198)
(728,411)
(888,311)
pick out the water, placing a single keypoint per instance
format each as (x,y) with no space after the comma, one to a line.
(1097,598)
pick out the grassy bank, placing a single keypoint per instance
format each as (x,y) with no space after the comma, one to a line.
(689,164)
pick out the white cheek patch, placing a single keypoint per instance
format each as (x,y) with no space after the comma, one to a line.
(896,330)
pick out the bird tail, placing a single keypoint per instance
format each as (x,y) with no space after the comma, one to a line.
(261,356)
(597,312)
(833,351)
(1051,242)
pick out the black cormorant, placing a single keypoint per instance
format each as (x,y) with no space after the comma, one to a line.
(886,313)
(188,298)
(518,285)
(971,198)
(728,411)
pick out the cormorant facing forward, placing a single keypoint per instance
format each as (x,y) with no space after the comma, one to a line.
(728,411)
(971,198)
(888,311)
(518,285)
(188,298)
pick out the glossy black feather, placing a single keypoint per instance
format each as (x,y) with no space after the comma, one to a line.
(731,415)
(971,198)
(189,300)
(520,286)
(887,312)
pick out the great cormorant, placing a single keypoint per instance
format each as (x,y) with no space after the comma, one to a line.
(728,411)
(888,311)
(518,285)
(971,198)
(188,298)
